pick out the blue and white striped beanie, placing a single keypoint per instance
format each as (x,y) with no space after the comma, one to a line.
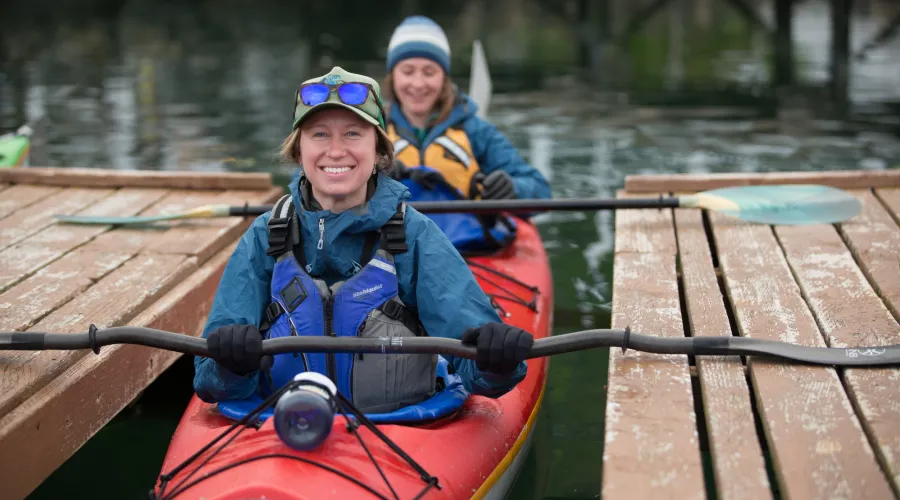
(419,36)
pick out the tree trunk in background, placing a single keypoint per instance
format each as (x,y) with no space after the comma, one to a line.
(840,54)
(703,13)
(783,43)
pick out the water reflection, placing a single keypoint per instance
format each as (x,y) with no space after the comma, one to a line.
(686,88)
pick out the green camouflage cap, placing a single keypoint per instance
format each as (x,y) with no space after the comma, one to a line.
(371,110)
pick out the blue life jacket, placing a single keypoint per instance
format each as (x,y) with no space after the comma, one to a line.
(395,387)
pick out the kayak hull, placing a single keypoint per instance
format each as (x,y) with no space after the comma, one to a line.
(475,453)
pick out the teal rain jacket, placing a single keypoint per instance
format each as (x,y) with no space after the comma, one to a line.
(433,279)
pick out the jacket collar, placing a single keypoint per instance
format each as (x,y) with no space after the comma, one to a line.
(370,216)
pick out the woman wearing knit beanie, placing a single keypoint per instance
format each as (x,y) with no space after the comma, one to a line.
(443,150)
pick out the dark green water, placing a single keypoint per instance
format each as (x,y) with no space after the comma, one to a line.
(209,85)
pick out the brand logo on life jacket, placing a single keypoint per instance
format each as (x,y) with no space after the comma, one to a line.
(367,291)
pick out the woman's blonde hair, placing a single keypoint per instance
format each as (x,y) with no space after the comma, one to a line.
(446,99)
(384,149)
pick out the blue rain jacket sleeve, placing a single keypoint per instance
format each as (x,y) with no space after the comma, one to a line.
(494,151)
(241,298)
(448,299)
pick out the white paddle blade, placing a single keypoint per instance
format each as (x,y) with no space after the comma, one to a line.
(480,86)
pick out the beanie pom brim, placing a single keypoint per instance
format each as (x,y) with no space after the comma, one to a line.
(418,49)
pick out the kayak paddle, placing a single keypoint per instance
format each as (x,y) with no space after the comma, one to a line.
(786,204)
(557,344)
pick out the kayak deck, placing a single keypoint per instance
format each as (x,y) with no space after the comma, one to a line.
(805,431)
(496,431)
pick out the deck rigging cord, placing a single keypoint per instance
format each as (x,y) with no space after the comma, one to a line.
(251,420)
(506,293)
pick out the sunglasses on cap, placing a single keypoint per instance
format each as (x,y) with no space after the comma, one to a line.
(350,93)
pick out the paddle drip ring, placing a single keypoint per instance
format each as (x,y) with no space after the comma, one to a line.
(626,338)
(92,339)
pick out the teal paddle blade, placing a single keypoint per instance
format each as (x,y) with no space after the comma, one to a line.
(785,204)
(114,221)
(202,212)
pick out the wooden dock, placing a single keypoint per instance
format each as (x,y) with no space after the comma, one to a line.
(735,428)
(62,278)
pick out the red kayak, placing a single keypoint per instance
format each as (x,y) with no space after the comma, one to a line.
(475,452)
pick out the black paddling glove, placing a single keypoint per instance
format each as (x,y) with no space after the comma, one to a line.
(500,347)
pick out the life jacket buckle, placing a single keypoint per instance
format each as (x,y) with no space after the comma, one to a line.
(273,310)
(398,312)
(393,310)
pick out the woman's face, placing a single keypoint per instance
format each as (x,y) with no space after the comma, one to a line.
(417,85)
(337,151)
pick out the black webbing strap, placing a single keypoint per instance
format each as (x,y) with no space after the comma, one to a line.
(401,313)
(279,226)
(393,235)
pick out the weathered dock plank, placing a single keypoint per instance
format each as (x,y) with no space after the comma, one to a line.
(874,239)
(28,221)
(812,430)
(891,199)
(209,237)
(18,197)
(50,426)
(106,178)
(54,285)
(823,432)
(649,394)
(23,259)
(850,314)
(737,456)
(65,277)
(113,301)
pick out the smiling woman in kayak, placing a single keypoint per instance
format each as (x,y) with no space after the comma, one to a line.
(444,150)
(341,255)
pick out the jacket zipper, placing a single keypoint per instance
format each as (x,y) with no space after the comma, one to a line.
(329,313)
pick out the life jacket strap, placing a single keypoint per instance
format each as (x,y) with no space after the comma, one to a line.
(279,226)
(393,234)
(273,310)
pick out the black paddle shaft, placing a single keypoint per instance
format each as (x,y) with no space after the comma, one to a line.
(509,206)
(888,355)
